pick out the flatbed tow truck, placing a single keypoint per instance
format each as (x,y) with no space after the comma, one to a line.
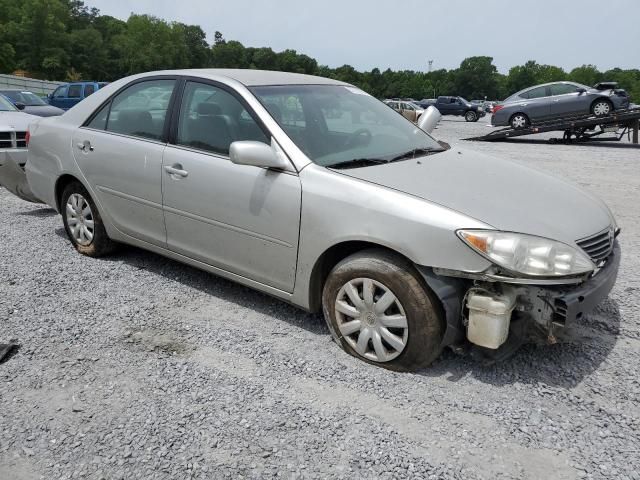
(583,128)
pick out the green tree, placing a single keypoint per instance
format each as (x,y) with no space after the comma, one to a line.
(477,77)
(586,74)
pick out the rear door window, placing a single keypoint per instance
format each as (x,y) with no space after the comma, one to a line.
(535,93)
(89,89)
(139,111)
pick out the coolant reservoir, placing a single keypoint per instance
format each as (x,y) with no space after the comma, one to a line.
(489,318)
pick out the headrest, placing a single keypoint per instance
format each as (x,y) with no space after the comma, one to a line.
(209,109)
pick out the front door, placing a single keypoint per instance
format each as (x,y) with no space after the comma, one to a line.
(566,101)
(120,153)
(239,218)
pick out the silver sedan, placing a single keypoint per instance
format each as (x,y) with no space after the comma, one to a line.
(557,100)
(313,191)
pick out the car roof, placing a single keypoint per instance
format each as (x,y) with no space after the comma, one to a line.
(253,78)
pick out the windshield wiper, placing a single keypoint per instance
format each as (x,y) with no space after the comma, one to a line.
(416,152)
(358,162)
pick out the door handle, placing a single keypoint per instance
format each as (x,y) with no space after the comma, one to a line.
(85,146)
(176,170)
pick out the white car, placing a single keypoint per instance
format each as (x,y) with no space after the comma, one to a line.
(14,125)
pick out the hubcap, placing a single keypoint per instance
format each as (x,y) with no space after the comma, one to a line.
(371,319)
(80,219)
(519,121)
(601,108)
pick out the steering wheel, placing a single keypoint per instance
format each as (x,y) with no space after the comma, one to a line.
(359,138)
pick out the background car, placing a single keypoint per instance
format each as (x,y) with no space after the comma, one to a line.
(407,109)
(14,126)
(69,95)
(557,100)
(458,106)
(31,103)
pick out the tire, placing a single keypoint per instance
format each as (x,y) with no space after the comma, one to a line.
(601,107)
(406,335)
(83,222)
(519,121)
(471,116)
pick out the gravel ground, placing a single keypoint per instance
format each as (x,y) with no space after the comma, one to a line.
(135,366)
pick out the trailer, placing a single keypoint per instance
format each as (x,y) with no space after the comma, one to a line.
(582,128)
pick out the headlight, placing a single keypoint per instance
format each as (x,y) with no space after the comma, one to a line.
(527,254)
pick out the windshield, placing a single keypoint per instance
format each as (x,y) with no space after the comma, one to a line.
(28,98)
(335,124)
(463,100)
(6,105)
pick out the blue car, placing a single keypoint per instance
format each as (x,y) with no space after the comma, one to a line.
(67,96)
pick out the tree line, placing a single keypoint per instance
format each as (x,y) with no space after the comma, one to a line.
(68,40)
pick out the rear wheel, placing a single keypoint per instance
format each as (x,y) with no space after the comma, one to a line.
(471,116)
(378,309)
(601,108)
(519,120)
(83,223)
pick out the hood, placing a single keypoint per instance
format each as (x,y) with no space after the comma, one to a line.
(504,194)
(16,120)
(43,110)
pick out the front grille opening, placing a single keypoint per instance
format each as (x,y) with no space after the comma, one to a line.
(598,246)
(559,312)
(21,139)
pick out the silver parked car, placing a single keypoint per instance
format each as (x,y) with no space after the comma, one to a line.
(315,192)
(557,100)
(14,125)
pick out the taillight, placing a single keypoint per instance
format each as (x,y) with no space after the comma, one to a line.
(27,136)
(497,108)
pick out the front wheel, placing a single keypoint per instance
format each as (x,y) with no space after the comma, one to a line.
(378,309)
(471,116)
(601,108)
(83,223)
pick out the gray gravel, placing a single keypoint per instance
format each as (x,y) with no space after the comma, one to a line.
(135,366)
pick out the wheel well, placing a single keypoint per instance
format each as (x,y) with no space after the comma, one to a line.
(601,98)
(61,184)
(329,259)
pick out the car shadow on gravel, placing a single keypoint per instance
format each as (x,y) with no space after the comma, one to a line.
(38,213)
(216,286)
(565,364)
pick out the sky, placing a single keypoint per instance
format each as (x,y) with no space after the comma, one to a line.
(405,34)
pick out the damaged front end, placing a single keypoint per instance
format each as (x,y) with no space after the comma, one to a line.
(13,158)
(498,313)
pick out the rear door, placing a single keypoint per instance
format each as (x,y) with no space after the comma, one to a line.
(408,111)
(239,218)
(536,103)
(120,151)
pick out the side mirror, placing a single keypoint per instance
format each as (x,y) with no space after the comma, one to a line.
(581,90)
(20,105)
(258,154)
(429,119)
